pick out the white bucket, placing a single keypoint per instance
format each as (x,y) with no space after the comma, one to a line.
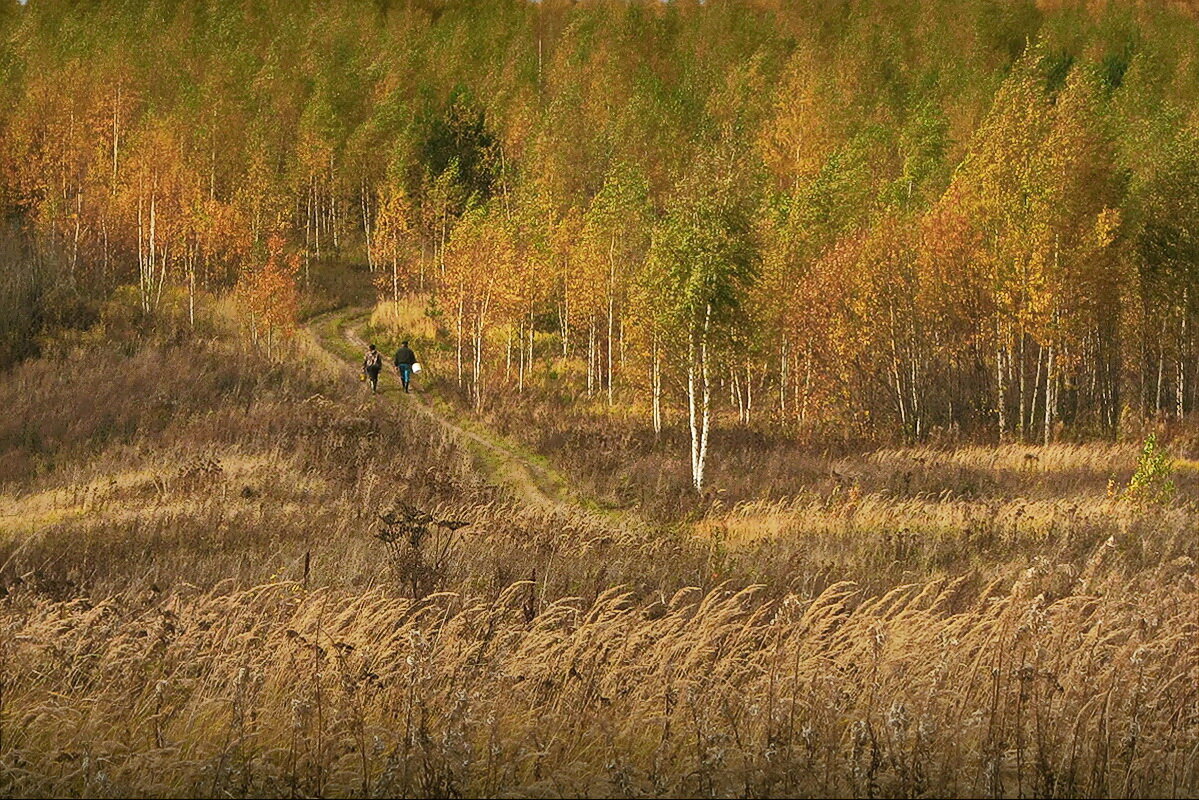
(416,367)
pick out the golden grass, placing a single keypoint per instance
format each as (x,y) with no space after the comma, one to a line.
(1023,519)
(406,319)
(1015,457)
(192,602)
(274,689)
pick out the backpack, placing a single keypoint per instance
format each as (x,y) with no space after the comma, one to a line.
(373,360)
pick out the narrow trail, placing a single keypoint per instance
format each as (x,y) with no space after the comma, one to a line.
(531,483)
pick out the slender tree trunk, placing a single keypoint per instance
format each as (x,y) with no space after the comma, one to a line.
(590,357)
(333,208)
(78,229)
(366,227)
(459,338)
(611,310)
(163,261)
(1180,379)
(611,333)
(308,224)
(914,391)
(707,401)
(699,393)
(749,393)
(116,136)
(316,217)
(1036,389)
(915,370)
(191,287)
(1050,375)
(693,404)
(1020,430)
(807,384)
(508,356)
(565,315)
(440,254)
(1000,388)
(422,266)
(897,378)
(142,291)
(153,233)
(656,383)
(478,371)
(897,383)
(733,390)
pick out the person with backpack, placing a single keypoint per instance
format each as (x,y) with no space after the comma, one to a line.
(372,365)
(404,360)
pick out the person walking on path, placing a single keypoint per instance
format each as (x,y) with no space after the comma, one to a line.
(372,365)
(404,360)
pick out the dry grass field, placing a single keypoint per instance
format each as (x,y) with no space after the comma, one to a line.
(198,596)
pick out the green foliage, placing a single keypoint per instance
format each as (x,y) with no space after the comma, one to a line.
(706,248)
(458,138)
(1152,482)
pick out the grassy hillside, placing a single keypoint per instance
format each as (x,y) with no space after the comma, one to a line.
(198,599)
(810,403)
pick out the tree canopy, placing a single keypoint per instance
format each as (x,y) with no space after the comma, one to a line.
(904,217)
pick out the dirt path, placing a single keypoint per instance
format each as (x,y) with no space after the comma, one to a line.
(504,464)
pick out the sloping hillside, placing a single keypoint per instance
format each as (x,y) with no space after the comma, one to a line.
(225,576)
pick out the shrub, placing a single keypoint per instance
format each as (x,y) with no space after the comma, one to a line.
(1153,480)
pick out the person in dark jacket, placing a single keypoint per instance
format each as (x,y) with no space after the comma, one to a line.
(404,360)
(372,365)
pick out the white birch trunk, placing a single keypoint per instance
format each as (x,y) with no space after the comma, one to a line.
(366,228)
(478,370)
(591,358)
(1036,389)
(143,293)
(692,421)
(1020,429)
(656,384)
(1000,388)
(153,250)
(116,137)
(611,310)
(749,394)
(1049,393)
(1180,373)
(699,399)
(707,401)
(508,355)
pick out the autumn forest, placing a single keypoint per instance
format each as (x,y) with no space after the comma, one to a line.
(807,402)
(894,217)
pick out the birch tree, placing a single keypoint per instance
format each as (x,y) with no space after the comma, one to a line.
(706,248)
